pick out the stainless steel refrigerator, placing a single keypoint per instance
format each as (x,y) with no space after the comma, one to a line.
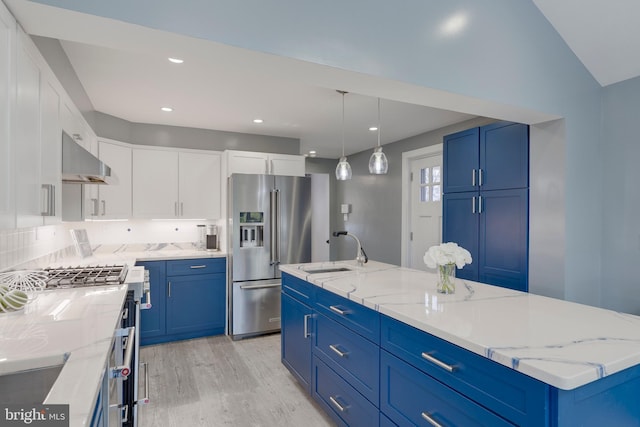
(270,224)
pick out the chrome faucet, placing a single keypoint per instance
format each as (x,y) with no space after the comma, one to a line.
(361,256)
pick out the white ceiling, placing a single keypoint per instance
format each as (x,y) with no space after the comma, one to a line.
(125,72)
(604,35)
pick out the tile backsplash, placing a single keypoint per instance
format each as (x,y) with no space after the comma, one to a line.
(19,246)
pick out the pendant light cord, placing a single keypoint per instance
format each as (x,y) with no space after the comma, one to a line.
(343,124)
(378,122)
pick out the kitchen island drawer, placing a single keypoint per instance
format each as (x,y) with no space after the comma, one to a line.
(196,266)
(516,396)
(410,397)
(354,316)
(355,358)
(342,402)
(297,288)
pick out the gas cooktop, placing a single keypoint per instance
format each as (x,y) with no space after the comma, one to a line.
(82,276)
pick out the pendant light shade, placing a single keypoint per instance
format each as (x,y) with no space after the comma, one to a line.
(378,163)
(343,170)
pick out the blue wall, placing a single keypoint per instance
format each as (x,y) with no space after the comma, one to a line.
(507,54)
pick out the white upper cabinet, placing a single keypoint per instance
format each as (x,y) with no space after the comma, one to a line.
(51,153)
(112,201)
(199,182)
(7,100)
(26,137)
(264,163)
(176,184)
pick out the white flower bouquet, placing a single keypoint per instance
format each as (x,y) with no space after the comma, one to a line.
(446,257)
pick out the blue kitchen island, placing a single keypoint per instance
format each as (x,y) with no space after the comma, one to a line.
(377,345)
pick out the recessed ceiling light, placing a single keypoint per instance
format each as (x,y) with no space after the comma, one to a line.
(373,128)
(167,109)
(312,153)
(176,60)
(258,121)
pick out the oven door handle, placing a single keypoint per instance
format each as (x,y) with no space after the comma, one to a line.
(144,400)
(124,370)
(147,304)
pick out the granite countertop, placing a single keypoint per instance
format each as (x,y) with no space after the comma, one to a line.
(71,326)
(561,343)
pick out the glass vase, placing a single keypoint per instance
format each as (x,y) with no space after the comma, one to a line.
(447,279)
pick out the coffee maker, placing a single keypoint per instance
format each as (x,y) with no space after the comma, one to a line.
(212,238)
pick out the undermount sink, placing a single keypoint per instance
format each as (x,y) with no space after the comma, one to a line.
(28,387)
(327,270)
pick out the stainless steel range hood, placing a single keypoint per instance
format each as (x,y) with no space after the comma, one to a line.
(80,166)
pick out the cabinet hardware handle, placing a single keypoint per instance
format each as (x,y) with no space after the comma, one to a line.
(473,177)
(480,177)
(181,208)
(337,310)
(337,351)
(94,210)
(337,405)
(479,204)
(439,363)
(175,208)
(473,204)
(307,334)
(430,420)
(104,207)
(169,295)
(252,287)
(198,266)
(145,400)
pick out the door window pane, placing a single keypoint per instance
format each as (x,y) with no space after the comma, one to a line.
(424,193)
(424,176)
(436,174)
(436,193)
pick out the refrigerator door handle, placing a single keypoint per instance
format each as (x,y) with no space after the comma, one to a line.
(275,227)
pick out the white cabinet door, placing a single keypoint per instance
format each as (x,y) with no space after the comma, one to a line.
(114,200)
(284,164)
(264,163)
(26,139)
(155,183)
(199,185)
(7,99)
(51,153)
(247,162)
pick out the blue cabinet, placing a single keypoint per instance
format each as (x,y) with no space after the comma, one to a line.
(188,300)
(368,369)
(486,201)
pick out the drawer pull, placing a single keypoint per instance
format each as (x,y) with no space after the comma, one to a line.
(337,404)
(430,420)
(307,334)
(198,266)
(338,310)
(337,351)
(439,363)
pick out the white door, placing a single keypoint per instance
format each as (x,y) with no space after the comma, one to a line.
(425,207)
(115,200)
(200,185)
(155,183)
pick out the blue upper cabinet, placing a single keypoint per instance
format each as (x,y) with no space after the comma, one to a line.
(504,156)
(461,152)
(486,201)
(492,157)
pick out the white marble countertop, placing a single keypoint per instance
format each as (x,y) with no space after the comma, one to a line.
(561,343)
(76,325)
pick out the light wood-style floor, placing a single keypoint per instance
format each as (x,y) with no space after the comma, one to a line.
(215,381)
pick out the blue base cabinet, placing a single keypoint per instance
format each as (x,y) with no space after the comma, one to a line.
(188,300)
(367,369)
(486,202)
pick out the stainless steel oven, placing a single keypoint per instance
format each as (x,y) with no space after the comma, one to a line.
(124,361)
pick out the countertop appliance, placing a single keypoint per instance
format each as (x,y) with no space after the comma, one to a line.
(269,223)
(122,405)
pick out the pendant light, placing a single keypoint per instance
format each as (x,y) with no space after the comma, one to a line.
(378,164)
(343,170)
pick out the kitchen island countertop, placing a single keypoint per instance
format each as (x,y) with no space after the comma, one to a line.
(558,342)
